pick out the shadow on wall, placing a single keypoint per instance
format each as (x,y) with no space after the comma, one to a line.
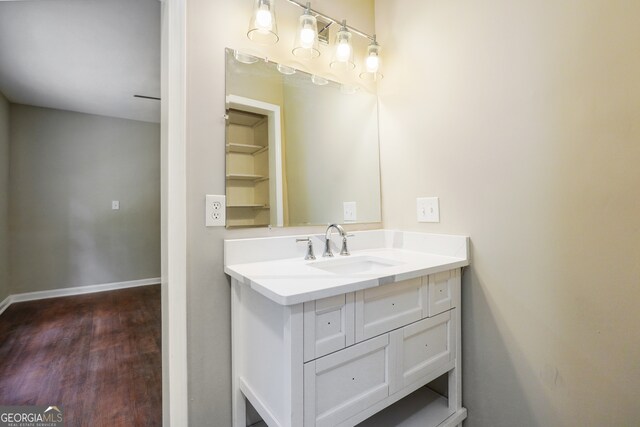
(548,383)
(484,328)
(480,329)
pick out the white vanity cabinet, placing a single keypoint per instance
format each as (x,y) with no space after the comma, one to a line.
(328,325)
(336,361)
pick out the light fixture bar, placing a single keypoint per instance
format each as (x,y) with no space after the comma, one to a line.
(330,19)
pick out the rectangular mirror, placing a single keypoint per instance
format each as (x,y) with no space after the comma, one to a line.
(298,152)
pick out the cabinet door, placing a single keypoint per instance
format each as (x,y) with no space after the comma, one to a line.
(423,347)
(442,289)
(384,308)
(344,383)
(328,325)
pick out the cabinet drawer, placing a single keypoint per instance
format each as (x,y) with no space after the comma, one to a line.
(328,325)
(442,287)
(384,308)
(423,347)
(342,384)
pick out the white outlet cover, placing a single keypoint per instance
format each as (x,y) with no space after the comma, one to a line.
(215,210)
(350,213)
(115,205)
(428,209)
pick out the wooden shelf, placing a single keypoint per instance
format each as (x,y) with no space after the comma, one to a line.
(246,177)
(249,205)
(422,408)
(247,173)
(245,148)
(248,225)
(245,118)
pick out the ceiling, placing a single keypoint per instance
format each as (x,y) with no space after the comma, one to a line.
(89,56)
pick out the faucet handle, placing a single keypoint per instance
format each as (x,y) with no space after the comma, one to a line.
(309,255)
(345,251)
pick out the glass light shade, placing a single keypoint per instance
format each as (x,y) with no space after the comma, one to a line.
(244,57)
(319,81)
(285,70)
(263,28)
(371,69)
(343,53)
(306,45)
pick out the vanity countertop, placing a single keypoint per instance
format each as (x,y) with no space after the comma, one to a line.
(268,266)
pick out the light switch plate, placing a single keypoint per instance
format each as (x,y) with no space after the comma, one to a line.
(428,209)
(350,211)
(215,211)
(115,205)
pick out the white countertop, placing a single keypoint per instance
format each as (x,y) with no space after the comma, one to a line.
(293,280)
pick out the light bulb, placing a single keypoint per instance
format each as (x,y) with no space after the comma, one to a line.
(263,26)
(306,44)
(343,51)
(264,20)
(371,69)
(372,63)
(307,37)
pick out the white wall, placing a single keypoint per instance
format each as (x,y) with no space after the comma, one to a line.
(212,26)
(66,168)
(4,197)
(523,118)
(332,154)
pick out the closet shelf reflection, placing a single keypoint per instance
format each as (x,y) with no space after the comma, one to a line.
(251,206)
(246,148)
(246,177)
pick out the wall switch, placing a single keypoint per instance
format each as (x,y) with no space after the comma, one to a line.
(428,209)
(349,211)
(215,211)
(115,205)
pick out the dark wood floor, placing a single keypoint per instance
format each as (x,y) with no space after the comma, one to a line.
(97,355)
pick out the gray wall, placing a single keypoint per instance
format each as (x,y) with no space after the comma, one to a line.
(523,118)
(4,197)
(66,168)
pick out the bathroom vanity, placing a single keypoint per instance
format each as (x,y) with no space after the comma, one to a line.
(338,341)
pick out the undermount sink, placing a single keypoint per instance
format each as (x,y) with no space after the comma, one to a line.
(354,265)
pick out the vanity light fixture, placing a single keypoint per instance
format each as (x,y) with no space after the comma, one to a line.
(287,71)
(263,27)
(343,51)
(245,58)
(371,69)
(319,81)
(306,45)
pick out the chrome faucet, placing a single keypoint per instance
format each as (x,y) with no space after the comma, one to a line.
(309,255)
(327,240)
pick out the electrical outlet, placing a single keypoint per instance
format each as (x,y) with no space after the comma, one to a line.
(428,209)
(115,205)
(349,211)
(215,208)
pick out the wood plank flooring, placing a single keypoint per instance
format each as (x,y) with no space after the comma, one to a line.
(97,355)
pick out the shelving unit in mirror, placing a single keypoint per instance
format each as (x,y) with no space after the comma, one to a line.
(247,174)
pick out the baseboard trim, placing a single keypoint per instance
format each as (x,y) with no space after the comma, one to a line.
(5,304)
(79,290)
